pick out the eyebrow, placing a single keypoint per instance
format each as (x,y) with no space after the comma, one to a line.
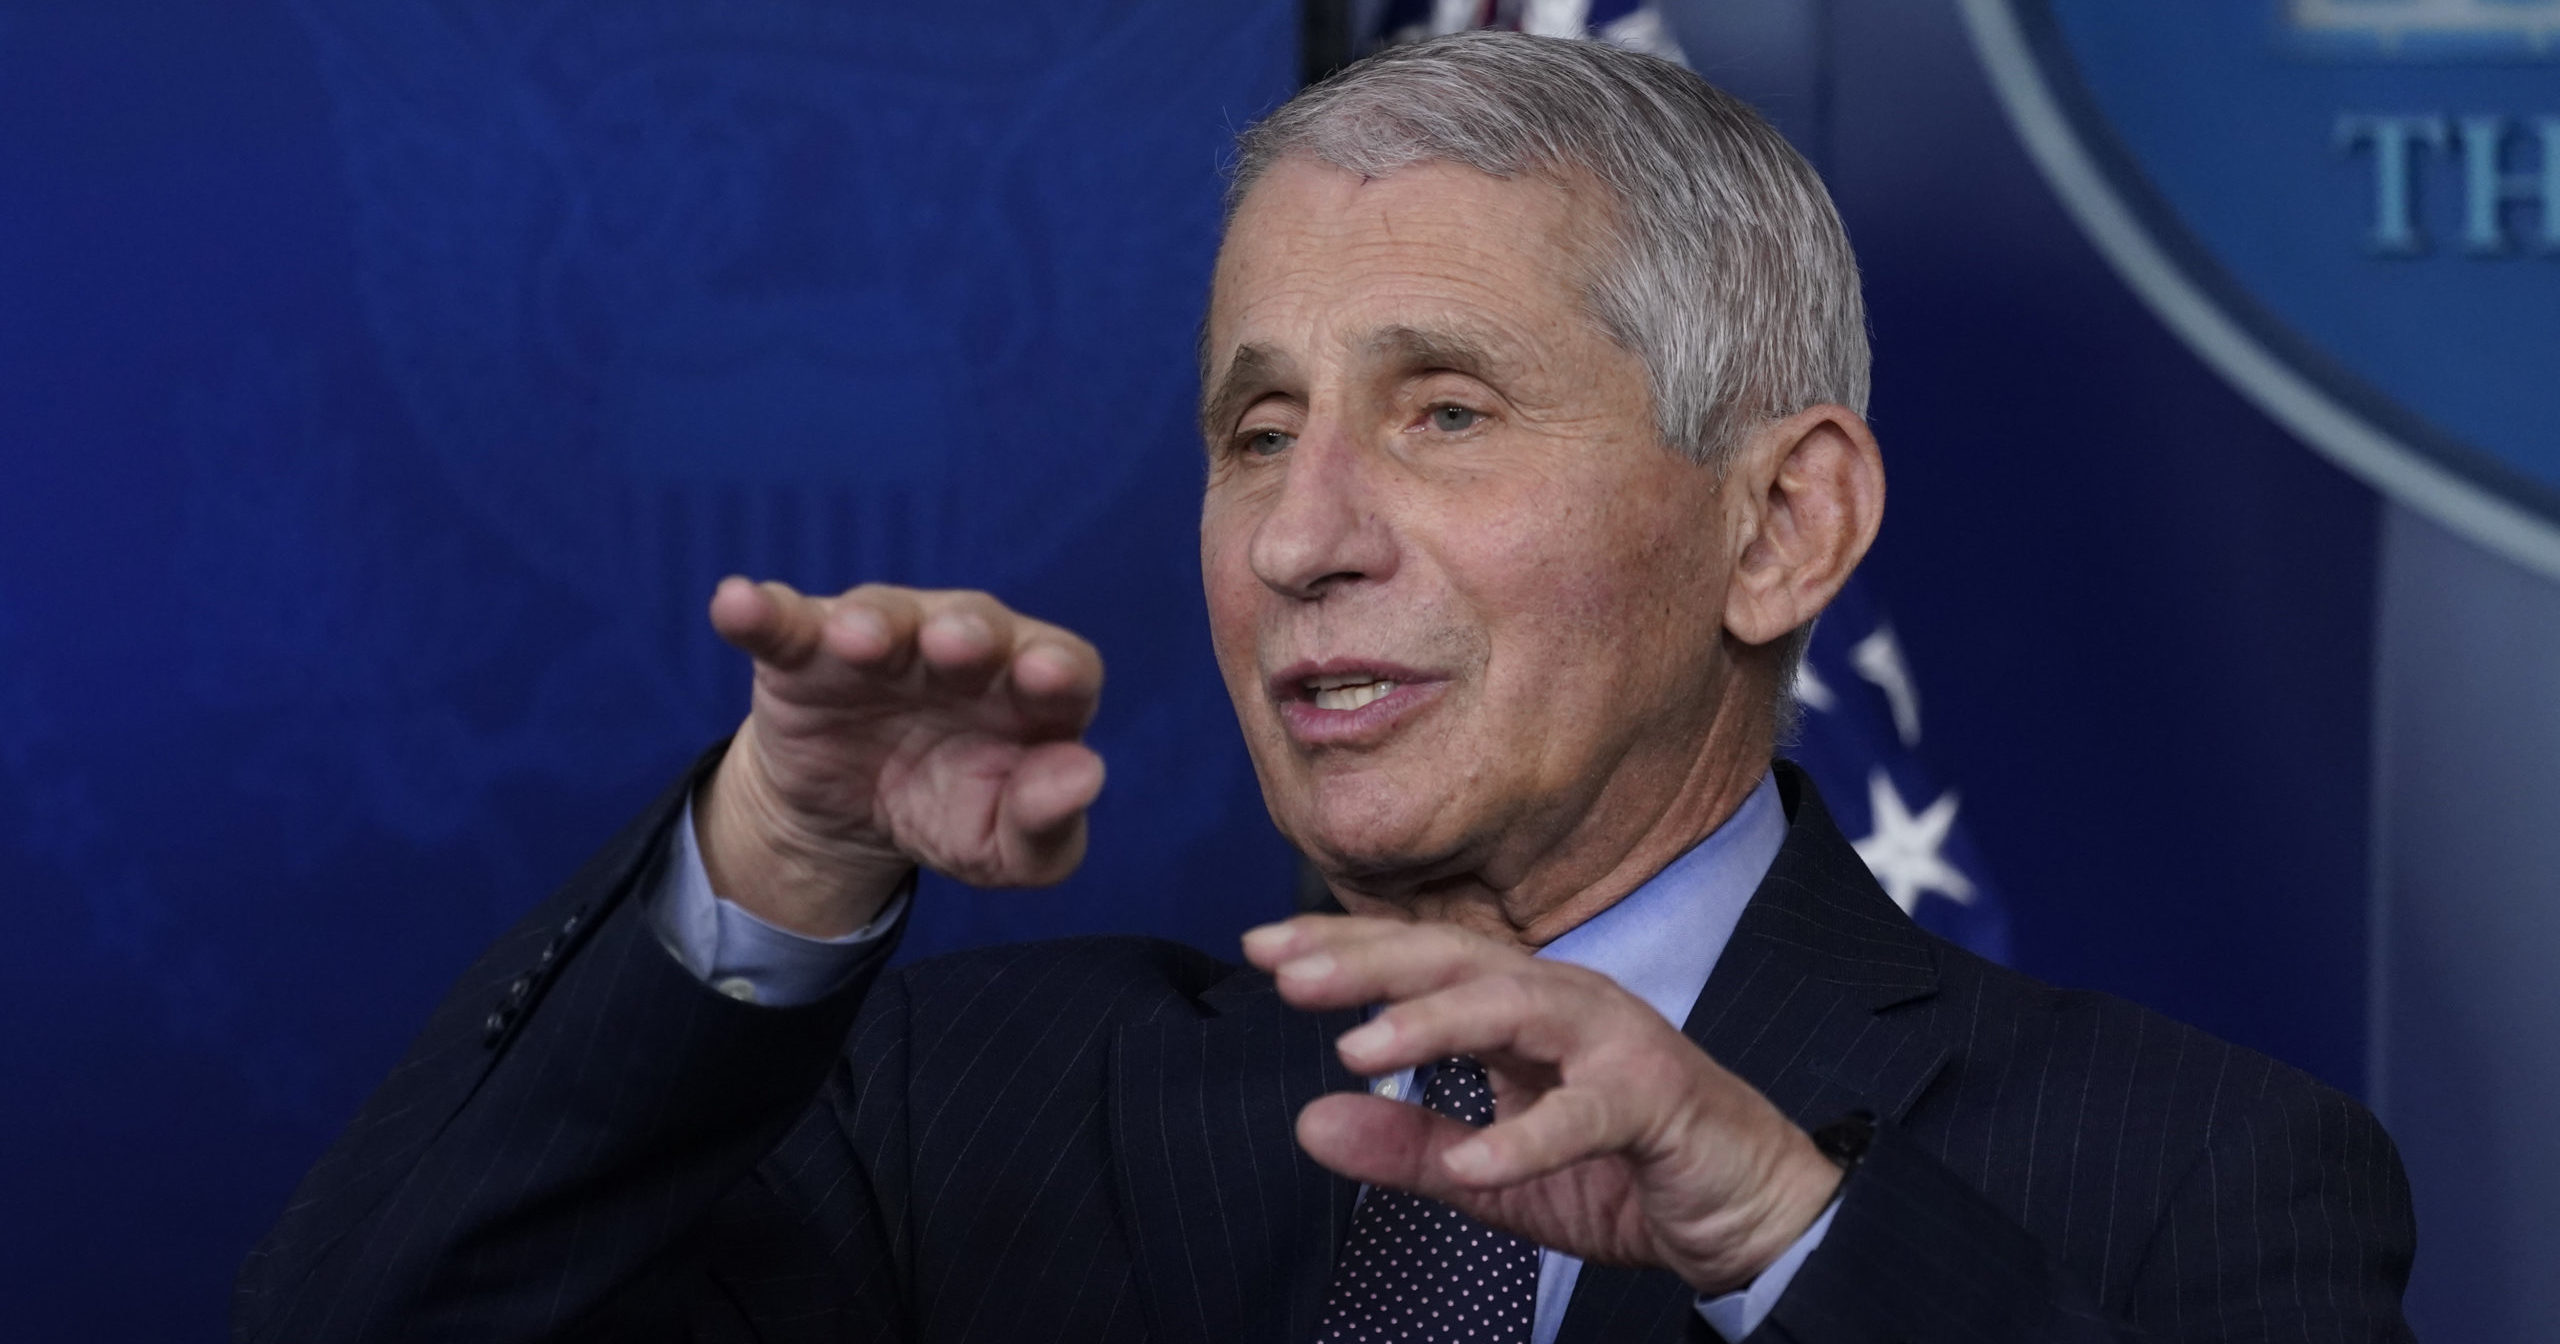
(1253,373)
(1257,371)
(1423,349)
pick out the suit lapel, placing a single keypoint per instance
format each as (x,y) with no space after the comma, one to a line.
(1799,1006)
(1234,1228)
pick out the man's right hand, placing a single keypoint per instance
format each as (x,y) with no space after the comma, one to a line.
(893,727)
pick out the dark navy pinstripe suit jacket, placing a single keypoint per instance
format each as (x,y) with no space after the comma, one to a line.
(1091,1140)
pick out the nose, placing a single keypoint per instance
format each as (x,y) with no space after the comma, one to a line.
(1323,530)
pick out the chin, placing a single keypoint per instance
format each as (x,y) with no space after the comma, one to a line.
(1368,833)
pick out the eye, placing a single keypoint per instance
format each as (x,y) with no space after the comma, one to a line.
(1266,442)
(1454,419)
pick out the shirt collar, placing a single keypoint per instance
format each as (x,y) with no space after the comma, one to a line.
(1661,940)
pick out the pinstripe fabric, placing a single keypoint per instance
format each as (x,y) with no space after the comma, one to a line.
(2053,1165)
(1091,1140)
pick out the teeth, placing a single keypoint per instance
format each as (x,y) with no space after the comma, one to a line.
(1344,693)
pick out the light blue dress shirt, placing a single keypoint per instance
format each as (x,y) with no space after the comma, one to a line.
(738,954)
(1659,943)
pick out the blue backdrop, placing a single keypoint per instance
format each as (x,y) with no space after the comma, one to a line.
(383,383)
(387,383)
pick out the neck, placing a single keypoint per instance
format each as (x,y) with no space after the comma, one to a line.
(1636,824)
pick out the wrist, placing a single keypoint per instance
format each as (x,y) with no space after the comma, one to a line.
(1798,1185)
(779,869)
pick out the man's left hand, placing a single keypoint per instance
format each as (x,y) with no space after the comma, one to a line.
(1615,1138)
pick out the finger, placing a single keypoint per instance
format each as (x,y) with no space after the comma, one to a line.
(1402,962)
(1041,813)
(1052,784)
(1056,677)
(965,641)
(770,622)
(1543,1014)
(872,629)
(1305,953)
(1272,945)
(1382,1142)
(1563,1126)
(1406,1147)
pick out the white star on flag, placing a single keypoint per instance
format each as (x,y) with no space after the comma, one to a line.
(1878,658)
(1903,851)
(1811,690)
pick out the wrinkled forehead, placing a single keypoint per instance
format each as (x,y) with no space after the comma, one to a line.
(1371,265)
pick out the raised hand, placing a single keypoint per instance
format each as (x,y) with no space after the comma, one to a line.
(1614,1137)
(892,727)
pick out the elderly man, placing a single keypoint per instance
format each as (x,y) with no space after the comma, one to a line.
(1531,389)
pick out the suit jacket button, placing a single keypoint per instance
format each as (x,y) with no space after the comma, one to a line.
(496,1026)
(517,989)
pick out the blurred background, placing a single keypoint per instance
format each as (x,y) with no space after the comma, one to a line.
(384,383)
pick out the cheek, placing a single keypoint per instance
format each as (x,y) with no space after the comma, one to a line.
(1232,594)
(1596,605)
(1557,567)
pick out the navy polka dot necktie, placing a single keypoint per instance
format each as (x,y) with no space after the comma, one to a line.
(1416,1269)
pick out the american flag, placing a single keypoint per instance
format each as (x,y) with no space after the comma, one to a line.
(1861,741)
(1625,23)
(1862,731)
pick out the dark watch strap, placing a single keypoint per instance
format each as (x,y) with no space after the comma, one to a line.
(1845,1140)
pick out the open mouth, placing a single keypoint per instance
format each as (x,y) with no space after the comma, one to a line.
(1342,703)
(1347,690)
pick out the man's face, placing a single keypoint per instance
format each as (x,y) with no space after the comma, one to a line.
(1468,604)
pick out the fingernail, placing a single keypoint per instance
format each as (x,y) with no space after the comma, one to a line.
(968,628)
(1308,970)
(1045,663)
(1471,1160)
(864,625)
(1370,1039)
(1266,940)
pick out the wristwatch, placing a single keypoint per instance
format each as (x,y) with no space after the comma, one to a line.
(1845,1140)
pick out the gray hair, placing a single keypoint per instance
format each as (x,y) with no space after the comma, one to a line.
(1725,268)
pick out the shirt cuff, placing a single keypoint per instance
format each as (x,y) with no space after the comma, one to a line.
(731,950)
(1736,1314)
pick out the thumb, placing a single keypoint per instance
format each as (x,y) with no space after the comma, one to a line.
(1040,818)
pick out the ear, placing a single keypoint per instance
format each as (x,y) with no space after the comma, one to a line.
(1805,495)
